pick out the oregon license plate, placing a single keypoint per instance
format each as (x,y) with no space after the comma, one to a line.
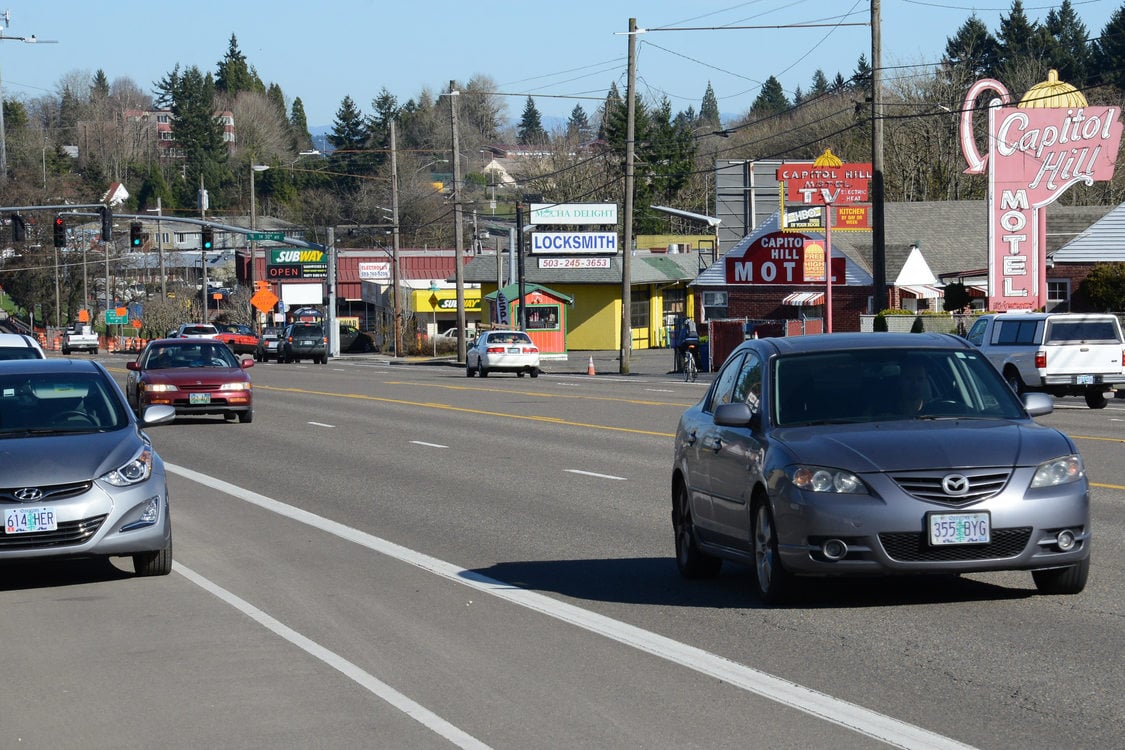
(959,528)
(1085,380)
(199,398)
(29,520)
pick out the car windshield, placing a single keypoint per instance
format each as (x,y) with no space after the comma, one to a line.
(50,403)
(509,337)
(171,356)
(867,385)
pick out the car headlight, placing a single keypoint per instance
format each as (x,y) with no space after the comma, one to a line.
(821,479)
(1059,471)
(134,472)
(159,387)
(234,387)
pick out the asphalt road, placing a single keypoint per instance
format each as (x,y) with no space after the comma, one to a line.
(398,556)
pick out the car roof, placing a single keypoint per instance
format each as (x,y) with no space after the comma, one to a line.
(835,341)
(18,340)
(33,366)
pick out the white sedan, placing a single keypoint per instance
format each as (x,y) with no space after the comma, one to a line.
(502,351)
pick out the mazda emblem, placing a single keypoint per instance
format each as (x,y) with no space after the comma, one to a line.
(955,484)
(28,494)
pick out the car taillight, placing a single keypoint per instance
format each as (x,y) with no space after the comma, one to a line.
(1040,360)
(495,350)
(530,350)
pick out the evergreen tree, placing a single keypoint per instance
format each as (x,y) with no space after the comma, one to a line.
(233,74)
(299,125)
(199,135)
(578,126)
(972,52)
(384,111)
(771,99)
(709,109)
(348,137)
(166,89)
(1109,53)
(671,153)
(277,97)
(1072,55)
(1019,36)
(612,101)
(819,84)
(99,89)
(153,187)
(861,76)
(530,130)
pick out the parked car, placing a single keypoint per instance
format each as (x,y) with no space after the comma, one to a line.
(20,346)
(239,337)
(195,330)
(502,351)
(194,375)
(875,454)
(354,340)
(269,344)
(81,479)
(304,341)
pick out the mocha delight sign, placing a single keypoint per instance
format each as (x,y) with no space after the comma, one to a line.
(1051,140)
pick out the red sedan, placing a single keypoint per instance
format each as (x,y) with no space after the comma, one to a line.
(196,376)
(240,338)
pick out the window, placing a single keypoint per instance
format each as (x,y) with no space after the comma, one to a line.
(543,317)
(1058,295)
(638,313)
(723,391)
(1017,332)
(749,385)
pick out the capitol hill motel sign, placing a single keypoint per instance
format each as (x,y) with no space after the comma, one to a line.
(1051,140)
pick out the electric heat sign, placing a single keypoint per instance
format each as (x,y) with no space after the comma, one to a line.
(812,185)
(782,258)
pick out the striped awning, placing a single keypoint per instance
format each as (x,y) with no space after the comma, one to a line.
(801,299)
(922,291)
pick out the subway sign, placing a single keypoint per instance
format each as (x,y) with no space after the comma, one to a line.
(297,271)
(290,256)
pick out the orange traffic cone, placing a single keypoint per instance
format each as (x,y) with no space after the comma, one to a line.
(590,367)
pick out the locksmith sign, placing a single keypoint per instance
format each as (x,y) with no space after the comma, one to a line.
(574,243)
(782,258)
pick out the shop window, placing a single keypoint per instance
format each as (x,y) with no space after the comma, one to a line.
(543,317)
(638,313)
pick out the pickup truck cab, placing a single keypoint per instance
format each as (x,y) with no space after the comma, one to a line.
(1063,354)
(79,338)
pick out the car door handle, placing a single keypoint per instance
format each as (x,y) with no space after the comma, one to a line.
(713,444)
(689,441)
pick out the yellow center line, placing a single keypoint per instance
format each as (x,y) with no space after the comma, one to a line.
(465,410)
(639,402)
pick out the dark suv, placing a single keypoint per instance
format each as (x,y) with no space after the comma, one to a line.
(304,341)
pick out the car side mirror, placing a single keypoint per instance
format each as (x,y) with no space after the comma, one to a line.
(734,415)
(246,363)
(134,365)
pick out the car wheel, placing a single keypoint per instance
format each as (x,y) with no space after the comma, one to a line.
(1012,375)
(468,370)
(1095,397)
(157,563)
(246,417)
(1068,580)
(229,416)
(519,374)
(692,562)
(66,351)
(774,583)
(534,372)
(484,372)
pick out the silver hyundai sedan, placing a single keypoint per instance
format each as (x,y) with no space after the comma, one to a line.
(875,454)
(78,477)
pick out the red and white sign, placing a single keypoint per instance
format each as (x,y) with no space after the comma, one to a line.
(809,184)
(1037,153)
(782,258)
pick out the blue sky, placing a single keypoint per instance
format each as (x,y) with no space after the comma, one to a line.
(557,52)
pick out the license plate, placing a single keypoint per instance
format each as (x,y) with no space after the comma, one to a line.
(29,520)
(959,528)
(1085,380)
(308,342)
(513,350)
(199,398)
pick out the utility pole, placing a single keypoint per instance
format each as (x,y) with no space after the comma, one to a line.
(396,323)
(878,195)
(203,250)
(627,248)
(459,240)
(333,328)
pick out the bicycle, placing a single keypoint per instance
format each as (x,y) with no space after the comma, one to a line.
(691,369)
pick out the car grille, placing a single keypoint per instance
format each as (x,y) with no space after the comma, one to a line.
(50,494)
(69,533)
(982,485)
(912,546)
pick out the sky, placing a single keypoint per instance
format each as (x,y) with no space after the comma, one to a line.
(561,54)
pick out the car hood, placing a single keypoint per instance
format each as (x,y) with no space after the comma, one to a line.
(924,444)
(195,375)
(41,460)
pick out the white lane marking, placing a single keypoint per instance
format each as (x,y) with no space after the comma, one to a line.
(429,445)
(592,474)
(414,710)
(320,424)
(843,713)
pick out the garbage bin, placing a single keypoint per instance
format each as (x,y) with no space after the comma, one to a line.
(704,356)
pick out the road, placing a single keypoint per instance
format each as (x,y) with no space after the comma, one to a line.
(398,556)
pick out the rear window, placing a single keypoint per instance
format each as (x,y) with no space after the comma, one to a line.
(307,330)
(1017,332)
(1083,331)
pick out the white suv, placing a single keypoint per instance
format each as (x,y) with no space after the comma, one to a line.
(196,331)
(20,346)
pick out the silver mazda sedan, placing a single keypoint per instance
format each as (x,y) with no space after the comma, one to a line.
(875,454)
(78,477)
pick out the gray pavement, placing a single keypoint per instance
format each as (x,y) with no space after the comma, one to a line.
(649,362)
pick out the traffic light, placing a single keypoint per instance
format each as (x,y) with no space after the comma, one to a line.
(19,229)
(135,239)
(60,231)
(208,238)
(107,224)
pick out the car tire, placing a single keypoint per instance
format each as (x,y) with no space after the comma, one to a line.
(534,372)
(1012,375)
(774,583)
(691,561)
(229,416)
(158,563)
(1062,581)
(468,370)
(1095,397)
(519,373)
(66,351)
(484,372)
(246,417)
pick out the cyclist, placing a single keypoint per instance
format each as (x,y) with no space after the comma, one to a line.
(687,340)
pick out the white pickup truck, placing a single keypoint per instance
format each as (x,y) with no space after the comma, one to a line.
(1064,354)
(79,338)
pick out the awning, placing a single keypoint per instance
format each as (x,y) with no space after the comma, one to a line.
(801,299)
(922,291)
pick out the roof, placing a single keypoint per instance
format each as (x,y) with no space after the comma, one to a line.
(1103,240)
(644,268)
(512,291)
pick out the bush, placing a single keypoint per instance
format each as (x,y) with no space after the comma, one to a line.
(918,326)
